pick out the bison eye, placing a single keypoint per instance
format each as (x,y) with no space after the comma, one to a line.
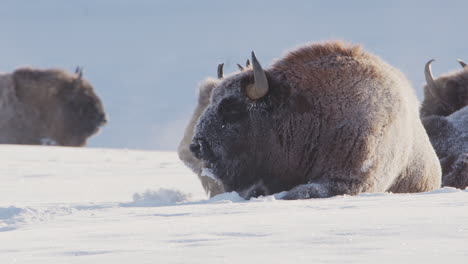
(231,110)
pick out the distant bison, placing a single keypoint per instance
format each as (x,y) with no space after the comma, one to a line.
(445,116)
(327,119)
(48,107)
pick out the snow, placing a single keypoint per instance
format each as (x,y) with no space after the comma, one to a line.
(209,173)
(78,205)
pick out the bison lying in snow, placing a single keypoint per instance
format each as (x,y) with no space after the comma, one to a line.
(327,119)
(444,114)
(48,107)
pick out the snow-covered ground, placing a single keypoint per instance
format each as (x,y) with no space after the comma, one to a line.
(78,205)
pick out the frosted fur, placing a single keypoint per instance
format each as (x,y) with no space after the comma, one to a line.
(449,136)
(41,106)
(211,186)
(336,120)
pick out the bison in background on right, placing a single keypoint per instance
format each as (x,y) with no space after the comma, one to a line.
(444,114)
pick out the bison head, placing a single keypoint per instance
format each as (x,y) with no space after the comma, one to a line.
(445,95)
(64,105)
(245,135)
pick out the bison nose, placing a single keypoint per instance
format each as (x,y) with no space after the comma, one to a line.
(201,149)
(195,148)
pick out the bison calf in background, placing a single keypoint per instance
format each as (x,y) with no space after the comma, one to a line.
(444,114)
(326,119)
(48,107)
(212,186)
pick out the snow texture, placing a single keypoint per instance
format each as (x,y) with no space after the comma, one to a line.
(75,205)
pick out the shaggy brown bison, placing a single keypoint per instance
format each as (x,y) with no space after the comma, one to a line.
(48,107)
(326,119)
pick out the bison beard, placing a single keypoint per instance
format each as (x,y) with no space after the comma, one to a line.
(327,119)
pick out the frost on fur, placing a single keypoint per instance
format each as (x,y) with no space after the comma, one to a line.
(316,117)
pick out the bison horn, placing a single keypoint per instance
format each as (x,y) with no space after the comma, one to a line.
(240,67)
(260,87)
(431,85)
(220,70)
(463,64)
(247,63)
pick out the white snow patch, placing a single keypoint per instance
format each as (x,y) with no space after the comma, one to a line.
(269,198)
(229,197)
(7,213)
(64,205)
(160,197)
(48,142)
(209,173)
(8,216)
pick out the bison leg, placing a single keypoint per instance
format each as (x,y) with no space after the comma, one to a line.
(306,191)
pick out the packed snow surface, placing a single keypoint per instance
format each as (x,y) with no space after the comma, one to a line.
(77,205)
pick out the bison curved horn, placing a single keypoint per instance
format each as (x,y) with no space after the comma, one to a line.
(260,87)
(240,67)
(220,70)
(431,85)
(463,64)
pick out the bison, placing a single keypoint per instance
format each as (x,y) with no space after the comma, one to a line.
(446,94)
(444,115)
(449,136)
(326,119)
(48,106)
(211,185)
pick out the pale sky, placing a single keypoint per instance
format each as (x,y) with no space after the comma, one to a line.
(145,58)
